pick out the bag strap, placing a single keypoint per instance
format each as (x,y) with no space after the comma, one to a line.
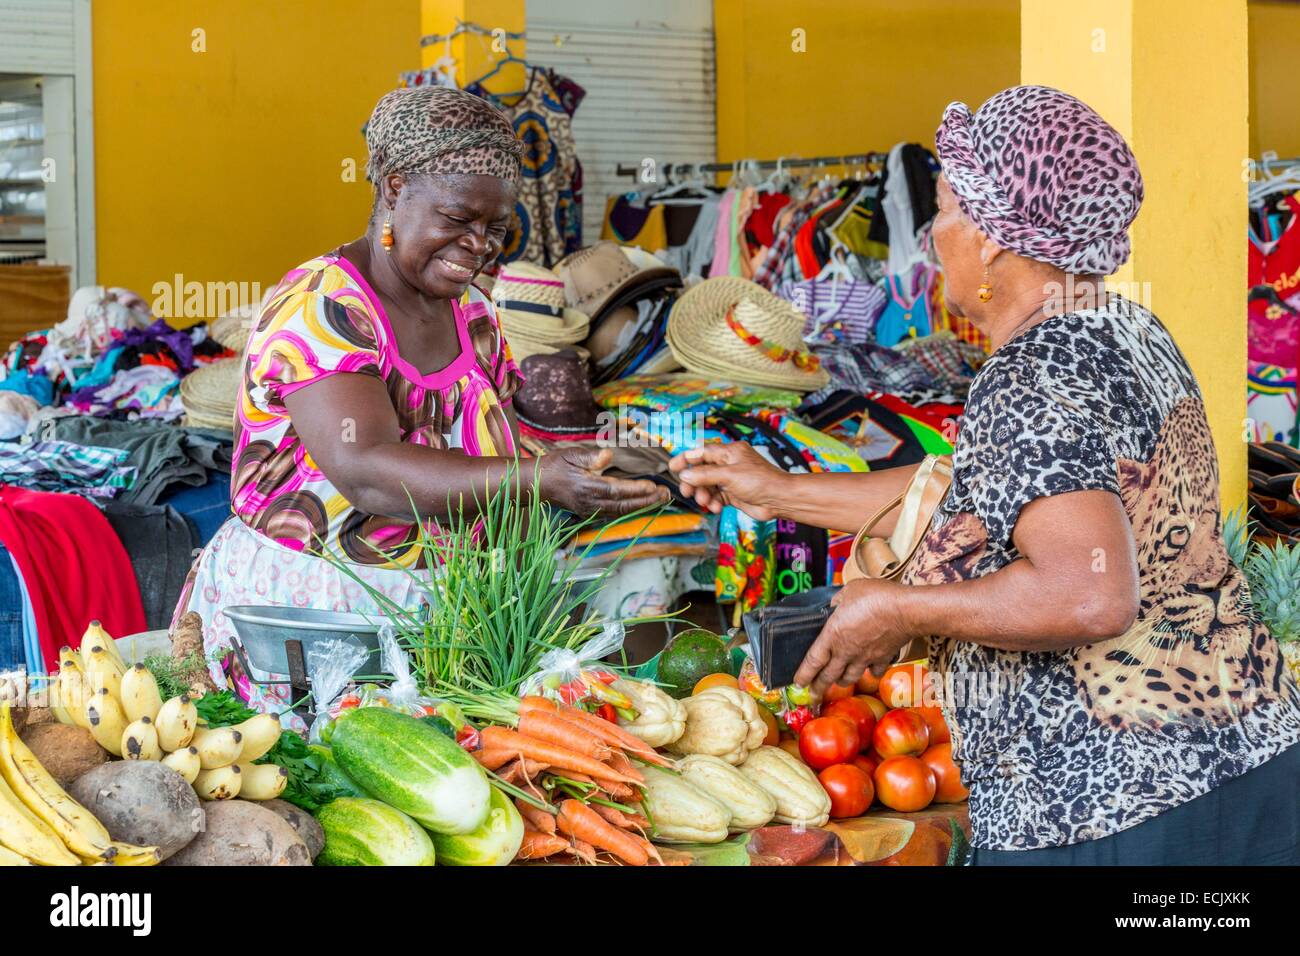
(877,557)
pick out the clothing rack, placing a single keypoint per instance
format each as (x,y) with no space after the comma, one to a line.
(671,169)
(463,27)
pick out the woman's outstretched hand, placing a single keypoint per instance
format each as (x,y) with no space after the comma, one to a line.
(573,480)
(734,474)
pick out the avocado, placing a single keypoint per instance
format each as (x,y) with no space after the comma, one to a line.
(689,656)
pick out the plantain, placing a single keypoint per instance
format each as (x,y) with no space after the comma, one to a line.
(22,832)
(185,762)
(40,793)
(57,708)
(217,746)
(140,741)
(261,781)
(139,693)
(223,783)
(107,722)
(102,670)
(95,634)
(73,687)
(260,734)
(176,722)
(10,858)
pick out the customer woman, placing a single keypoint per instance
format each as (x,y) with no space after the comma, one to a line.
(377,383)
(1112,694)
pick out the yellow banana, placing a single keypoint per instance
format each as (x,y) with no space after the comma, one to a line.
(95,634)
(10,858)
(223,783)
(218,747)
(185,762)
(260,734)
(261,781)
(40,793)
(107,722)
(128,854)
(139,693)
(72,687)
(22,832)
(102,670)
(175,723)
(140,741)
(59,711)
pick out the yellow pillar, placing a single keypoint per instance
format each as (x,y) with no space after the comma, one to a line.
(476,54)
(1172,76)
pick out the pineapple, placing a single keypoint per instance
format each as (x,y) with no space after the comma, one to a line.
(1273,574)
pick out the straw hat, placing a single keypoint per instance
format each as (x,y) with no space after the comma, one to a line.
(734,329)
(235,328)
(531,309)
(211,392)
(607,275)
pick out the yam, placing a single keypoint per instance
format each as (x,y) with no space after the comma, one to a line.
(65,751)
(142,802)
(187,640)
(240,833)
(312,833)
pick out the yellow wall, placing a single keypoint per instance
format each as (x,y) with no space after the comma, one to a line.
(875,72)
(1172,76)
(227,165)
(1274,80)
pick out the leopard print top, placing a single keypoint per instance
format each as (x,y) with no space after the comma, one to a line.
(1063,747)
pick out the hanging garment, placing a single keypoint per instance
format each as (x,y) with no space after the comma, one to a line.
(911,169)
(837,310)
(630,224)
(1273,329)
(13,653)
(695,256)
(907,312)
(549,224)
(73,565)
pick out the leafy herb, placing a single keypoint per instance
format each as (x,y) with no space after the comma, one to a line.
(174,676)
(221,709)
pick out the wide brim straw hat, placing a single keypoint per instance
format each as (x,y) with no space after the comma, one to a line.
(234,329)
(705,343)
(601,277)
(211,392)
(530,306)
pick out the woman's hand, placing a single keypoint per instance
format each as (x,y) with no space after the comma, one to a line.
(866,630)
(572,479)
(734,474)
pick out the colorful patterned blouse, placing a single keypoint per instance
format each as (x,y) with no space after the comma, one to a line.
(323,319)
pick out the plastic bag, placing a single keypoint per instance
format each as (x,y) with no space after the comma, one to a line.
(330,666)
(573,675)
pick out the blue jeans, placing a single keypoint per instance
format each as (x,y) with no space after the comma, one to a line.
(12,655)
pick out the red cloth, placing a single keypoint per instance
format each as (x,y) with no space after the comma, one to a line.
(73,566)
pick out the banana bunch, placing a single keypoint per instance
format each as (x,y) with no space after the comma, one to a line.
(40,824)
(121,707)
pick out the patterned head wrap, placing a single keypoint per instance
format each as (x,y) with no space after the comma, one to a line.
(1043,176)
(435,129)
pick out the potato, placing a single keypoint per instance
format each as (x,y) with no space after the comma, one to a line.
(240,833)
(142,802)
(65,751)
(312,833)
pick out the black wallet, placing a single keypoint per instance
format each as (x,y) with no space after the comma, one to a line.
(781,633)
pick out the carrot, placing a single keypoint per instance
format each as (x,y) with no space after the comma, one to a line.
(536,819)
(620,762)
(539,705)
(583,851)
(615,736)
(499,738)
(620,792)
(512,772)
(564,733)
(651,850)
(625,821)
(494,758)
(536,846)
(582,823)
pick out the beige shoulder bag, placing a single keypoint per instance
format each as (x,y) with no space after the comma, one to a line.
(884,558)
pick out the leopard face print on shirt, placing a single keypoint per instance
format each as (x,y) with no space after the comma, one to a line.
(1061,747)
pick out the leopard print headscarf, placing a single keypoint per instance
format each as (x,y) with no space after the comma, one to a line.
(435,129)
(1043,176)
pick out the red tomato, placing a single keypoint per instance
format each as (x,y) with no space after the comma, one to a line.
(901,733)
(904,784)
(933,717)
(868,683)
(837,692)
(947,779)
(828,740)
(866,762)
(904,685)
(858,711)
(877,708)
(851,791)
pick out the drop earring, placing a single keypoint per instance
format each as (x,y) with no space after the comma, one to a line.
(986,287)
(386,234)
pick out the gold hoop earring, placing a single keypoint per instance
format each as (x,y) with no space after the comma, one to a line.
(986,288)
(386,234)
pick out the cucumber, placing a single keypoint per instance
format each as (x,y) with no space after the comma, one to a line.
(495,843)
(331,773)
(364,832)
(409,765)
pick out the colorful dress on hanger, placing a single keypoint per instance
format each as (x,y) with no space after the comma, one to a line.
(1273,330)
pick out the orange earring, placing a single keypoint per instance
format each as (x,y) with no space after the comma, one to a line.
(386,234)
(986,287)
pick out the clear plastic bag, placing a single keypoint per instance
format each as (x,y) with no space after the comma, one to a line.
(573,675)
(330,666)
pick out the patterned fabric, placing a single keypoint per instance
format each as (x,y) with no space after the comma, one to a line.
(64,466)
(241,567)
(838,311)
(549,222)
(1042,175)
(436,129)
(324,319)
(951,362)
(1059,747)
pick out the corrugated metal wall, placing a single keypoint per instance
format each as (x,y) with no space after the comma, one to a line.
(37,36)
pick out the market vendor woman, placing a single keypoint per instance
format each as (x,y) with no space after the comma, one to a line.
(377,381)
(1118,700)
